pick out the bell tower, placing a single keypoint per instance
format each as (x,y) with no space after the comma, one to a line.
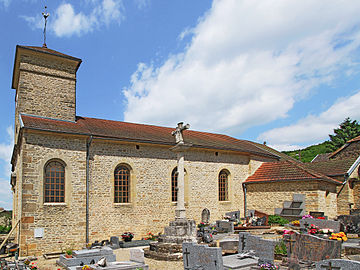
(45,84)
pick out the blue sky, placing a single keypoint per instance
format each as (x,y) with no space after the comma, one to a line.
(285,72)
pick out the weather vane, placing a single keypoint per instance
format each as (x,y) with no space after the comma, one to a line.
(46,15)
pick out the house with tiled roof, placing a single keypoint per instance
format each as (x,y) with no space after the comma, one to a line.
(350,149)
(77,180)
(273,183)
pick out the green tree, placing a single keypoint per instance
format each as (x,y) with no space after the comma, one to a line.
(348,130)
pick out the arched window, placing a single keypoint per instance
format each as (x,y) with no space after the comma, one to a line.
(54,186)
(223,186)
(122,184)
(174,185)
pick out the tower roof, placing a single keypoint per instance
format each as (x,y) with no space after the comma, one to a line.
(42,50)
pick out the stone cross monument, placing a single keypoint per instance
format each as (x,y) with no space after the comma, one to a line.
(181,229)
(180,148)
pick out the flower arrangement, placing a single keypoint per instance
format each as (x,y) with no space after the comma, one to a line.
(33,266)
(295,223)
(287,232)
(313,229)
(307,216)
(326,231)
(27,262)
(150,236)
(68,253)
(86,267)
(127,236)
(341,236)
(268,266)
(201,225)
(320,218)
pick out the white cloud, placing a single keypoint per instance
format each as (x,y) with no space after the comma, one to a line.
(5,3)
(315,128)
(247,64)
(141,4)
(67,22)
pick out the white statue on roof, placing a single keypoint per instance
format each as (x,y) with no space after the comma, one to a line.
(179,139)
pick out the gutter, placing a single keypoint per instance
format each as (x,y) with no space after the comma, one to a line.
(88,144)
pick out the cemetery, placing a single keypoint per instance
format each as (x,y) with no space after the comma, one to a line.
(316,243)
(97,194)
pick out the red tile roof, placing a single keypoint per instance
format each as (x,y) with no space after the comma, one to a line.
(332,167)
(321,157)
(344,146)
(141,133)
(286,171)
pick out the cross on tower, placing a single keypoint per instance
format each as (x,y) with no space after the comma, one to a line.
(46,15)
(330,267)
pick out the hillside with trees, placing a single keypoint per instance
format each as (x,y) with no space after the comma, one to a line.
(347,130)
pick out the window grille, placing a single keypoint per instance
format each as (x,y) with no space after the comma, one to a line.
(122,185)
(223,186)
(54,189)
(174,185)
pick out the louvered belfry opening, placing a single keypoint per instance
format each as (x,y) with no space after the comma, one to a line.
(122,185)
(54,189)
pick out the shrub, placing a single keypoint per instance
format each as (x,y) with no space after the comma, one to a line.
(275,219)
(5,229)
(280,248)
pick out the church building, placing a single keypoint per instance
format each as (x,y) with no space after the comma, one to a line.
(77,179)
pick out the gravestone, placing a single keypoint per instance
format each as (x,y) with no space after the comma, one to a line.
(257,218)
(87,256)
(349,223)
(234,215)
(201,257)
(305,248)
(242,241)
(321,223)
(205,216)
(316,214)
(338,264)
(137,255)
(224,226)
(264,249)
(229,245)
(114,242)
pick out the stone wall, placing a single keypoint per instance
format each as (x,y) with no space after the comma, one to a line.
(63,223)
(46,88)
(265,197)
(150,207)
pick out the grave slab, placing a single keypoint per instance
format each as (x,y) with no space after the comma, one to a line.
(307,248)
(337,264)
(233,262)
(321,223)
(201,257)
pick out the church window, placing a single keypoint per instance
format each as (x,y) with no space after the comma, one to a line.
(174,185)
(223,186)
(122,184)
(54,186)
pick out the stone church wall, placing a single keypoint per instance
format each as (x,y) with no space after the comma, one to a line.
(63,223)
(150,207)
(267,197)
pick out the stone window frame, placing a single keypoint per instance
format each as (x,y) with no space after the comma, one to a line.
(122,184)
(223,197)
(132,182)
(68,188)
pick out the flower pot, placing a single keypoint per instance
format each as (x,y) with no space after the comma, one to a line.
(68,256)
(127,239)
